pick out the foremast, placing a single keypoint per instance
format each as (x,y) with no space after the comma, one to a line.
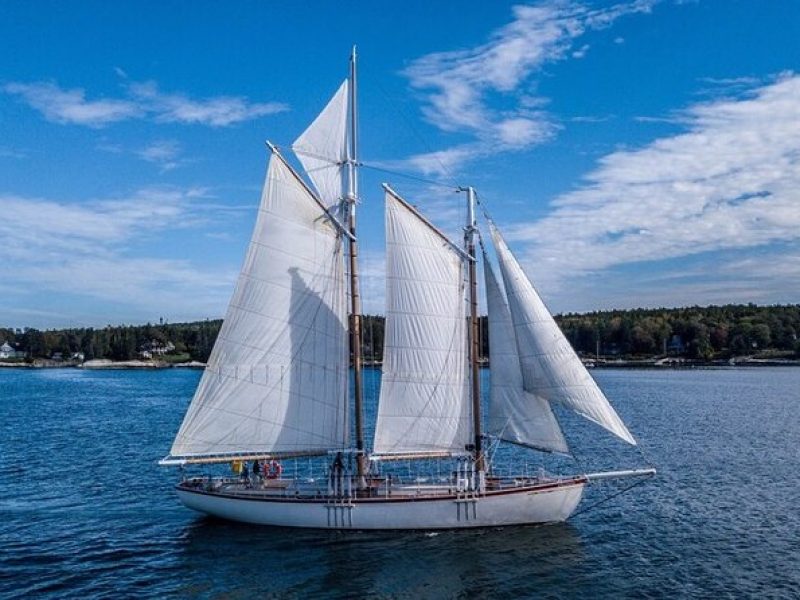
(355,296)
(469,247)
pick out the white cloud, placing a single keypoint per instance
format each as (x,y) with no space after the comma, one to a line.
(164,153)
(648,119)
(218,111)
(725,81)
(70,106)
(45,226)
(727,86)
(442,162)
(460,85)
(86,249)
(771,276)
(160,150)
(581,52)
(731,181)
(591,119)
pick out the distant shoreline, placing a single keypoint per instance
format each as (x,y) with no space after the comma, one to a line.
(649,363)
(100,365)
(681,363)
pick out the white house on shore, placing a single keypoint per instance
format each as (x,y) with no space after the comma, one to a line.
(156,348)
(8,351)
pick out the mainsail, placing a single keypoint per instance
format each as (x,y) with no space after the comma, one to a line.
(424,401)
(515,415)
(322,148)
(550,367)
(276,381)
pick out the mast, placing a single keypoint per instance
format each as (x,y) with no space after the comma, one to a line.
(469,247)
(355,297)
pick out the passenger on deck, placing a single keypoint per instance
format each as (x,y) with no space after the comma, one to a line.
(256,471)
(337,473)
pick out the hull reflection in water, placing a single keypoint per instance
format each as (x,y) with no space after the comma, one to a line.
(248,561)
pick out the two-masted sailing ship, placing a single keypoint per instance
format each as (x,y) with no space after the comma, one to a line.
(277,383)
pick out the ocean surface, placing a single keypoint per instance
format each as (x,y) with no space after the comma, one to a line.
(85,512)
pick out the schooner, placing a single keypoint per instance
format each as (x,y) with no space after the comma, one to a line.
(277,383)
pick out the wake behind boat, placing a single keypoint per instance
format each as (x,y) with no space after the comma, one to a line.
(277,381)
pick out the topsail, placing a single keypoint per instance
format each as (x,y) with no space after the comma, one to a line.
(322,148)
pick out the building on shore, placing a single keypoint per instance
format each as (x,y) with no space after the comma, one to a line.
(7,351)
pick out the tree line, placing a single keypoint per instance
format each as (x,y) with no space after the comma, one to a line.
(192,341)
(695,332)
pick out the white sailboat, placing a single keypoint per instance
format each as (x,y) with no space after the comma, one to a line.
(277,382)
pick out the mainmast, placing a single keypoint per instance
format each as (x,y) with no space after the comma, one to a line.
(355,297)
(469,247)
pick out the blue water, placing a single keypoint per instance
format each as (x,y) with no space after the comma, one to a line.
(85,512)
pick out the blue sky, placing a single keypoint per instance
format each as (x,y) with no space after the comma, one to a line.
(639,153)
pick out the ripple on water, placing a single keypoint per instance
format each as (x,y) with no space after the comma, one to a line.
(85,512)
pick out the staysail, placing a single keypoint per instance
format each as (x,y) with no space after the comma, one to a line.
(515,415)
(276,381)
(550,367)
(322,147)
(424,402)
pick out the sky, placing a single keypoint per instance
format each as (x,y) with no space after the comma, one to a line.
(639,153)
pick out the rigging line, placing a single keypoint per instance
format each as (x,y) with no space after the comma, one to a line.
(340,164)
(485,212)
(411,125)
(449,186)
(610,497)
(644,455)
(499,438)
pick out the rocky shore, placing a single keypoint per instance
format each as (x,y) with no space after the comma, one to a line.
(40,363)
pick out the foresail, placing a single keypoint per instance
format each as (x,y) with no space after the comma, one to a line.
(276,381)
(424,402)
(550,367)
(514,415)
(322,148)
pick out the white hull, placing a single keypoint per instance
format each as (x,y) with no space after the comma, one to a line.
(543,503)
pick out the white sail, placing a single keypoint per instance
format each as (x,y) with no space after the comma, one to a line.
(322,148)
(276,381)
(514,415)
(424,402)
(550,367)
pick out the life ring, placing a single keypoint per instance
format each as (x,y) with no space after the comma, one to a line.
(275,470)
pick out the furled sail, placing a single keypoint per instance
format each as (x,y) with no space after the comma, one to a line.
(550,367)
(514,415)
(276,381)
(322,148)
(424,402)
